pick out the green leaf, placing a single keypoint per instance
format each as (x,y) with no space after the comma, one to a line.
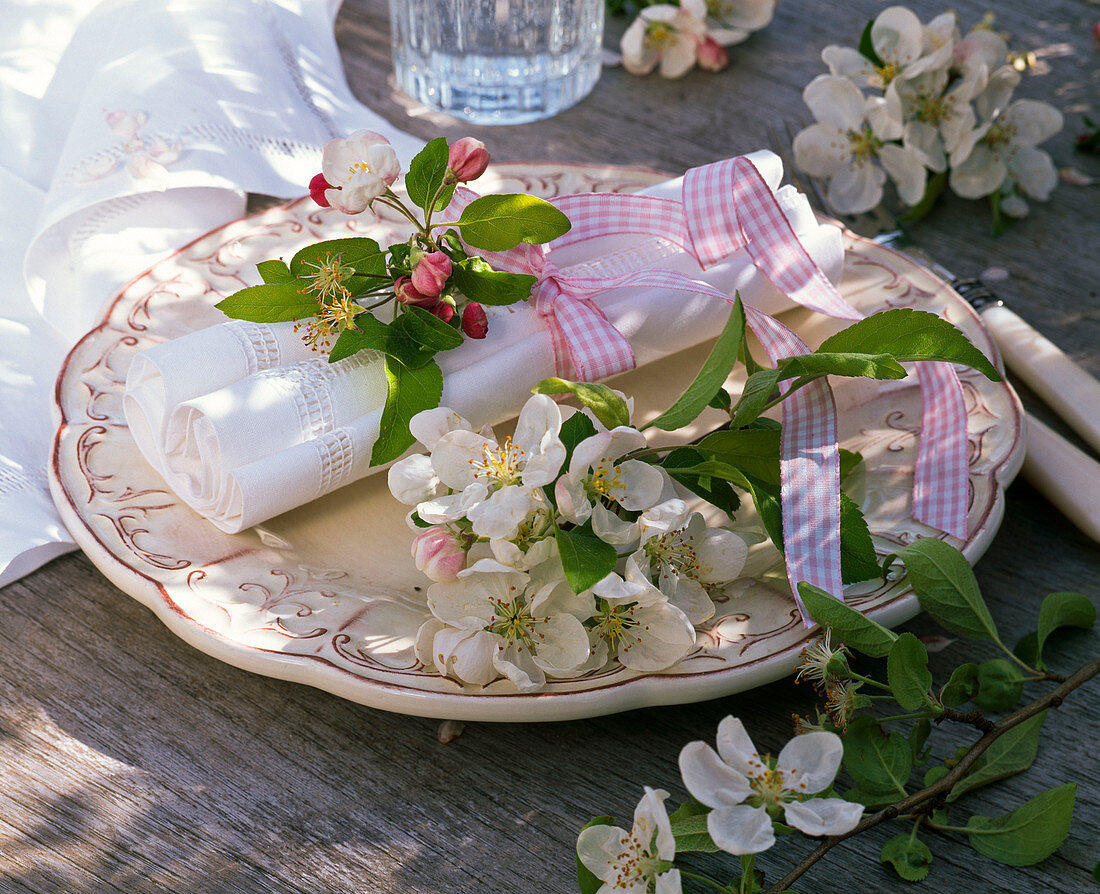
(858,559)
(867,46)
(1030,833)
(755,396)
(692,836)
(918,736)
(689,808)
(607,405)
(767,499)
(274,303)
(371,334)
(947,589)
(587,881)
(909,856)
(878,761)
(852,628)
(1000,220)
(575,429)
(999,685)
(908,334)
(585,558)
(1013,752)
(870,800)
(425,329)
(934,775)
(497,223)
(477,280)
(1096,873)
(355,251)
(962,686)
(715,490)
(907,672)
(754,451)
(425,176)
(927,202)
(710,378)
(409,391)
(1062,610)
(869,366)
(721,400)
(849,460)
(274,271)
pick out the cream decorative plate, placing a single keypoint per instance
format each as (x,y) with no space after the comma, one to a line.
(328,594)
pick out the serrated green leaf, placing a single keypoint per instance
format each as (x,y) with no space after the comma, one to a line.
(587,881)
(689,808)
(1011,753)
(710,378)
(849,460)
(908,334)
(425,176)
(269,303)
(721,400)
(425,329)
(497,223)
(878,761)
(918,736)
(907,672)
(715,489)
(1030,833)
(370,334)
(274,271)
(868,366)
(858,559)
(359,252)
(585,558)
(758,391)
(607,405)
(999,685)
(754,451)
(867,45)
(408,392)
(692,836)
(477,280)
(1062,610)
(947,589)
(855,630)
(961,687)
(909,856)
(934,775)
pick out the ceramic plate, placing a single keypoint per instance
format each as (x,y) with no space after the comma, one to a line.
(327,594)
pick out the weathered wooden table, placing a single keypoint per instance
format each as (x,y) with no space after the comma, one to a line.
(130,762)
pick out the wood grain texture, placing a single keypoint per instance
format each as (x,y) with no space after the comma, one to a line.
(132,763)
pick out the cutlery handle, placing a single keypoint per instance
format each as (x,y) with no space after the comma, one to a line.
(1066,476)
(1060,382)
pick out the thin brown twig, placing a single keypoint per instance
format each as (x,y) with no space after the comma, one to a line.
(943,786)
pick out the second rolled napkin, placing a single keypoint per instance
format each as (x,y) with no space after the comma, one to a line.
(245,422)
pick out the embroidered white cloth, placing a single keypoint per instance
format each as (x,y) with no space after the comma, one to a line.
(130,127)
(310,425)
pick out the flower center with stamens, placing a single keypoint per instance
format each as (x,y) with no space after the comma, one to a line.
(675,549)
(658,35)
(605,480)
(514,623)
(1000,135)
(327,280)
(359,167)
(863,144)
(500,462)
(887,71)
(635,864)
(934,109)
(615,623)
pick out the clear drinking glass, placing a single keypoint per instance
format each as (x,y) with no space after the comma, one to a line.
(497,61)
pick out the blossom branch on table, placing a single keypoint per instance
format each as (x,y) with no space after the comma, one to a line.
(940,114)
(740,800)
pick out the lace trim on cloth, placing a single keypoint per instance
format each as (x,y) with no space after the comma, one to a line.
(259,344)
(336,454)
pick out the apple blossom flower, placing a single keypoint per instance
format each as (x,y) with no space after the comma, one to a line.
(596,479)
(467,159)
(842,700)
(475,324)
(982,46)
(852,134)
(361,168)
(665,35)
(898,39)
(638,861)
(745,789)
(430,274)
(820,662)
(712,55)
(406,292)
(936,122)
(736,19)
(438,553)
(317,187)
(505,623)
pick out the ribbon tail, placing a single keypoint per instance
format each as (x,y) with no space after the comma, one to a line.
(941,480)
(587,347)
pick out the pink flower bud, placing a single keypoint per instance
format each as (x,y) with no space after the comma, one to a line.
(1096,32)
(438,554)
(467,159)
(474,322)
(407,293)
(712,55)
(317,187)
(431,272)
(444,311)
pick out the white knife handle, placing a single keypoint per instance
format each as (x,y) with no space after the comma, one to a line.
(1066,476)
(1060,382)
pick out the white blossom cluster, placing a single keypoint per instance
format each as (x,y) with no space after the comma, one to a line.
(747,793)
(938,102)
(495,510)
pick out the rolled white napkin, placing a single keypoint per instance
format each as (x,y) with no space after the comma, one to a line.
(263,424)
